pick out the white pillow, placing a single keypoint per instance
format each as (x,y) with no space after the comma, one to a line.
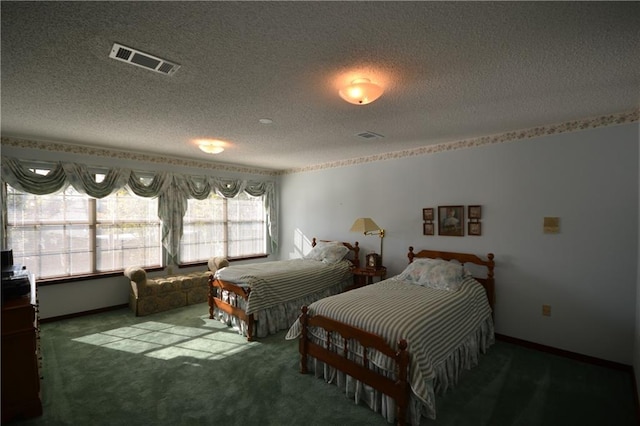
(315,253)
(334,253)
(434,273)
(328,252)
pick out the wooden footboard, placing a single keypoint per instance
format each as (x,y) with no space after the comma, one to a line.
(216,287)
(397,388)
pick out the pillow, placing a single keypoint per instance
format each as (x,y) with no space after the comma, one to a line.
(217,262)
(327,252)
(316,252)
(334,253)
(434,273)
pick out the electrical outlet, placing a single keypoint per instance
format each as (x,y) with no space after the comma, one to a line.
(546,310)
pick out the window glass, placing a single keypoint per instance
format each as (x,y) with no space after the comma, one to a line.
(247,229)
(50,234)
(127,232)
(70,234)
(223,227)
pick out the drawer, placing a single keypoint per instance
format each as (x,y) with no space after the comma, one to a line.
(18,319)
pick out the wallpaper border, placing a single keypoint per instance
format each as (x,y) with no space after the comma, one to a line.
(566,127)
(127,155)
(534,132)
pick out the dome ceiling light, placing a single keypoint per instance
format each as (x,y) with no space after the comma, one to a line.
(361,91)
(211,146)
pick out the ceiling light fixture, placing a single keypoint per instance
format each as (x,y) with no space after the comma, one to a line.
(211,146)
(361,91)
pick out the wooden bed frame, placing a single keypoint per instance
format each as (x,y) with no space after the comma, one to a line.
(399,388)
(216,287)
(487,282)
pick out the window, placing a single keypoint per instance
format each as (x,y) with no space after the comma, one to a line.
(127,232)
(70,234)
(217,226)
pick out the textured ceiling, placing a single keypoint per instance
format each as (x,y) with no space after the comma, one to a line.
(450,70)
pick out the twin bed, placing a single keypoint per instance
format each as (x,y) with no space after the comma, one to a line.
(395,344)
(392,345)
(259,299)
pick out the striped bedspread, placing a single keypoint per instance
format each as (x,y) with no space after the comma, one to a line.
(281,281)
(434,322)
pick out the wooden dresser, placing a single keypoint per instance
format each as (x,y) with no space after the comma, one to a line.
(20,357)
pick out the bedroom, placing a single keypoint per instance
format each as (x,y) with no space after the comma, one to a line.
(588,273)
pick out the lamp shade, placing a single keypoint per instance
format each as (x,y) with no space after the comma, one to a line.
(365,225)
(361,92)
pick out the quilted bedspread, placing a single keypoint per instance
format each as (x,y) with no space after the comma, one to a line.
(277,282)
(435,323)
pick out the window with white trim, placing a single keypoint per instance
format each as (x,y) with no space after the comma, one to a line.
(230,227)
(70,234)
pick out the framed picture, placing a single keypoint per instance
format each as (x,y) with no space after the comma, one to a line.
(475,228)
(427,228)
(475,212)
(427,214)
(451,220)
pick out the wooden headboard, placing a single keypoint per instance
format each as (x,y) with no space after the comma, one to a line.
(487,281)
(355,248)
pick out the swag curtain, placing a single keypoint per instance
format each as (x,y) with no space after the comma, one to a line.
(172,190)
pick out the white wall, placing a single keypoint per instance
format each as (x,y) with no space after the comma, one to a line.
(588,272)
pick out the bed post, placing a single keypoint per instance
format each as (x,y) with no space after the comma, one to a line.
(304,320)
(411,255)
(211,296)
(402,394)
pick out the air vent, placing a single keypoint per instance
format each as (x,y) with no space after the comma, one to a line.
(369,135)
(142,60)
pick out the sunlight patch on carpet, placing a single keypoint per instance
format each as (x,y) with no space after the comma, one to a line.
(167,341)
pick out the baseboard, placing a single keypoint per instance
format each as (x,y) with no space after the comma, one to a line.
(566,354)
(83,313)
(579,357)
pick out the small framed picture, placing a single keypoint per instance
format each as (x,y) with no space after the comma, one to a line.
(427,214)
(451,221)
(427,228)
(475,212)
(475,228)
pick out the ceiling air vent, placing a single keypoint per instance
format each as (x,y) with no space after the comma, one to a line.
(369,135)
(142,60)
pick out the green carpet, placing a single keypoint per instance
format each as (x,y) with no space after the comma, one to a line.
(180,368)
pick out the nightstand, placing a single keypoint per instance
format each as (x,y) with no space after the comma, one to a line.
(364,276)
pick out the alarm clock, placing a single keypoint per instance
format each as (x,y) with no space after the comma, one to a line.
(374,261)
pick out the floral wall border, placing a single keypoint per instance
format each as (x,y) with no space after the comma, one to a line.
(126,155)
(567,127)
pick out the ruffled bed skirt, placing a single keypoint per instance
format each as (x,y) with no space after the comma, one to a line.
(463,358)
(275,319)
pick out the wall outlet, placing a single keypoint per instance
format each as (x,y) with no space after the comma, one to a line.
(546,310)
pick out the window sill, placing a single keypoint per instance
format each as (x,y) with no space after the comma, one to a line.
(64,280)
(230,259)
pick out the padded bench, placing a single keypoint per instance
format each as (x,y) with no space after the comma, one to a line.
(151,295)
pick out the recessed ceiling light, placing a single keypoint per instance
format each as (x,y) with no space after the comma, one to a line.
(265,121)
